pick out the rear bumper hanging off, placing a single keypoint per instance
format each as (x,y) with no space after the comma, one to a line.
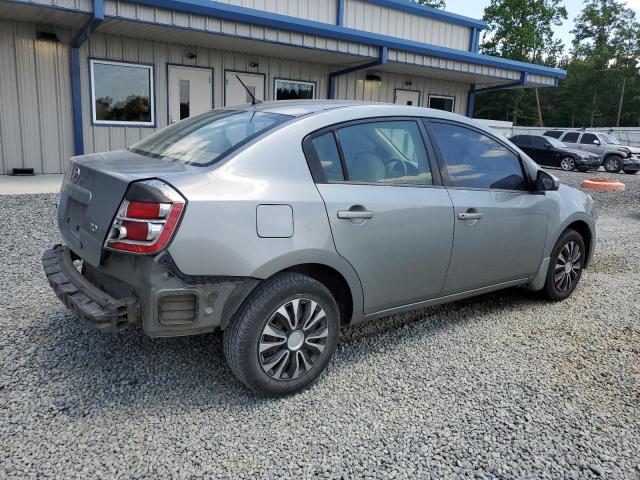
(90,303)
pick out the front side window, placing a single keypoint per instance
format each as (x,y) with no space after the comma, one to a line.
(122,93)
(387,153)
(538,142)
(475,160)
(205,138)
(294,90)
(571,137)
(589,139)
(439,102)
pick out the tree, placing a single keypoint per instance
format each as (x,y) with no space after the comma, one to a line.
(520,30)
(432,3)
(607,40)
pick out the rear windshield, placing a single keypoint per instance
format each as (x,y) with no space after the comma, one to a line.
(206,138)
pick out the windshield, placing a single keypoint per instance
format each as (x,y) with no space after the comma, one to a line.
(555,142)
(203,139)
(610,139)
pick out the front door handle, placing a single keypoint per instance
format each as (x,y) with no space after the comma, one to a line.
(469,216)
(354,214)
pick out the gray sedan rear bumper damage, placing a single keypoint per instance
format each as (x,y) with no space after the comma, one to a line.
(91,304)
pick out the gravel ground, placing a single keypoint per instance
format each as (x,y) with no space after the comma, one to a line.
(504,385)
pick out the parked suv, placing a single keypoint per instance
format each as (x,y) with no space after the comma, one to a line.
(282,222)
(615,156)
(552,152)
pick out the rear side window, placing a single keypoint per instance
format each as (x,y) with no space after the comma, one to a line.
(328,156)
(553,133)
(588,139)
(388,153)
(475,160)
(571,137)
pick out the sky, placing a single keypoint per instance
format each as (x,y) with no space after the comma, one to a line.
(475,9)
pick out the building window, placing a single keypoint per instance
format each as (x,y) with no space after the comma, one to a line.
(294,90)
(122,93)
(440,102)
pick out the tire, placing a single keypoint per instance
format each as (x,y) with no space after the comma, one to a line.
(556,288)
(630,172)
(567,164)
(310,348)
(613,164)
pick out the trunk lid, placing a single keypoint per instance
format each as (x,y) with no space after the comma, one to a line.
(93,189)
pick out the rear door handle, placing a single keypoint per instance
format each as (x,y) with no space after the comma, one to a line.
(469,216)
(351,214)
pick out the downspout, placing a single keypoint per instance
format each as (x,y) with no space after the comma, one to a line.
(340,13)
(382,59)
(471,96)
(76,91)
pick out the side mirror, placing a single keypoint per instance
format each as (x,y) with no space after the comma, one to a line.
(547,146)
(546,182)
(596,142)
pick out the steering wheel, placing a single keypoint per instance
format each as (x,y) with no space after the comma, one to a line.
(396,168)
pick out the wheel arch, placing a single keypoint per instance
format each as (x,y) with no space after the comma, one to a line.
(331,270)
(585,232)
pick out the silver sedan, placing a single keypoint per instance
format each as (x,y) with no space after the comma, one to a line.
(280,223)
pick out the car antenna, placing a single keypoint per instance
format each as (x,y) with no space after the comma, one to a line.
(254,100)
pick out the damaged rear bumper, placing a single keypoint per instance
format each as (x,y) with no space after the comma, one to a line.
(90,303)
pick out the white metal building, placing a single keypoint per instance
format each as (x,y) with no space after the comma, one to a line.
(80,76)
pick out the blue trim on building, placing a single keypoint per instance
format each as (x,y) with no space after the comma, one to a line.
(471,101)
(524,80)
(340,12)
(76,88)
(417,9)
(474,41)
(382,59)
(283,22)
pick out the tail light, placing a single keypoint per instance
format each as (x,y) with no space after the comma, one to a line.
(147,218)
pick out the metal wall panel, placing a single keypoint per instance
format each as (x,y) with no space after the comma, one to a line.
(453,65)
(35,95)
(110,47)
(396,23)
(356,87)
(126,10)
(541,80)
(81,5)
(320,11)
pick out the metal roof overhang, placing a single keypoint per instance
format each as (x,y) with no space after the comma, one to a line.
(20,10)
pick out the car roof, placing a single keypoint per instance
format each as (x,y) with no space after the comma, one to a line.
(299,108)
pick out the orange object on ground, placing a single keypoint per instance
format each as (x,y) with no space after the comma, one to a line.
(603,184)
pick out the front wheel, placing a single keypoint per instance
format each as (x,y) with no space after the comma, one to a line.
(613,164)
(567,164)
(565,267)
(284,335)
(631,172)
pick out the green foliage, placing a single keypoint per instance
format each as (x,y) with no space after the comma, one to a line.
(605,56)
(432,3)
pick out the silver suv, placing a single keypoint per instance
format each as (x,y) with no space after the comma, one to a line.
(615,156)
(282,222)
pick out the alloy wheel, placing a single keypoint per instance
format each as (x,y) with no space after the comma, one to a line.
(568,266)
(293,339)
(612,165)
(567,164)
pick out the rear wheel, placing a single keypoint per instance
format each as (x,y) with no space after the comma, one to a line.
(613,164)
(284,335)
(630,172)
(567,164)
(565,267)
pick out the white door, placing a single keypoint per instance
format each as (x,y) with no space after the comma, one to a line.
(190,92)
(236,94)
(407,97)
